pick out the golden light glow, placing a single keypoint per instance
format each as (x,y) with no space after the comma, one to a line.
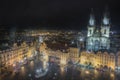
(23,70)
(14,65)
(87,72)
(112,75)
(62,69)
(44,64)
(63,62)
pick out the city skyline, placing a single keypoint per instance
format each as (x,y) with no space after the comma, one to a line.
(53,55)
(60,40)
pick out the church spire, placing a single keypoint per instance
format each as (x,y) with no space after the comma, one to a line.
(106,17)
(92,18)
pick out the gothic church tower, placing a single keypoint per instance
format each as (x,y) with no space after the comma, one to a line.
(98,37)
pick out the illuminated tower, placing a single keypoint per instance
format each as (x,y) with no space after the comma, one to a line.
(98,36)
(105,27)
(91,25)
(91,28)
(105,30)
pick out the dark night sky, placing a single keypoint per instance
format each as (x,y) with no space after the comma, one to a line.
(73,14)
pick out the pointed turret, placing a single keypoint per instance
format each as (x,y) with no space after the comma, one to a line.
(105,27)
(91,25)
(92,18)
(106,20)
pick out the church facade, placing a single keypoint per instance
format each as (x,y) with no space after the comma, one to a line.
(98,36)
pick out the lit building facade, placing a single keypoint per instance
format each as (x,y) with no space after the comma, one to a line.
(74,54)
(98,36)
(9,57)
(96,59)
(64,57)
(99,59)
(118,60)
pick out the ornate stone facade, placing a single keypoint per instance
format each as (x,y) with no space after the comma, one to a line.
(98,36)
(99,59)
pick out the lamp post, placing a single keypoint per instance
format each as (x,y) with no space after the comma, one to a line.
(80,43)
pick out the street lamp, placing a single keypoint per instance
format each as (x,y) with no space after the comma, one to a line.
(112,75)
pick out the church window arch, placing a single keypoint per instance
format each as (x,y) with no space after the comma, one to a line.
(90,31)
(105,31)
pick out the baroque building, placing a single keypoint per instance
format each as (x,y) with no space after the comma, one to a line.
(99,59)
(98,36)
(9,57)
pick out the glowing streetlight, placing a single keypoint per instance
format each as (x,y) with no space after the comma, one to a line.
(112,75)
(87,72)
